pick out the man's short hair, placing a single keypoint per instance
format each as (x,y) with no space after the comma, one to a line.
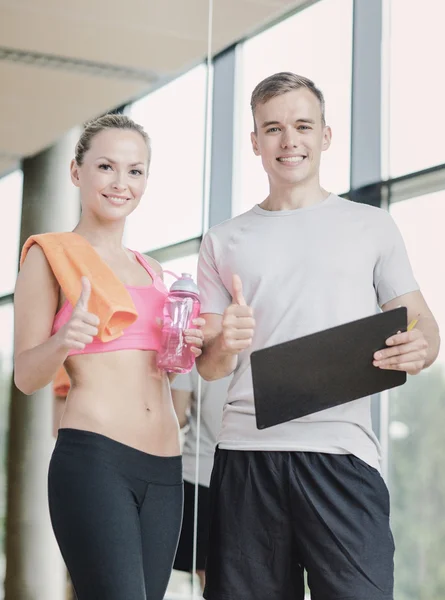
(281,83)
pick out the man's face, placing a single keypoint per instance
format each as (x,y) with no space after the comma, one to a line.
(290,137)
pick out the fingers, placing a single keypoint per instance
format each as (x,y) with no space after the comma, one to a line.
(199,322)
(236,340)
(237,295)
(90,330)
(85,294)
(78,341)
(240,334)
(84,338)
(407,352)
(82,327)
(236,345)
(77,329)
(411,363)
(82,306)
(401,359)
(405,337)
(91,319)
(417,345)
(231,320)
(240,322)
(193,337)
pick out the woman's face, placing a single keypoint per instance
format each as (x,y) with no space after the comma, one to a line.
(113,175)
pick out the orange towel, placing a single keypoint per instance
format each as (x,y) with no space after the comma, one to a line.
(61,383)
(71,256)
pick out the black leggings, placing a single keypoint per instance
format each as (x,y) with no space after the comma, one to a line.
(116,513)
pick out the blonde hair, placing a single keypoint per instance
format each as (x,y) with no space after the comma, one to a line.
(281,83)
(110,121)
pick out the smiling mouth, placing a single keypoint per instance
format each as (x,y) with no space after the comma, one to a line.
(116,199)
(291,160)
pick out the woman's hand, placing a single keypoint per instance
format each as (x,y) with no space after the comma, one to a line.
(81,329)
(195,337)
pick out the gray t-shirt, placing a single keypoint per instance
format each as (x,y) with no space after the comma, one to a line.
(213,398)
(303,271)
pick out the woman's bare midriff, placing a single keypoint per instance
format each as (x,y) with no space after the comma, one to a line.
(124,396)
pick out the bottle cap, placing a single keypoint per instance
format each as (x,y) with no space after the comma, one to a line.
(185,284)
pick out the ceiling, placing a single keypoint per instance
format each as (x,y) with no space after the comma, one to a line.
(64,62)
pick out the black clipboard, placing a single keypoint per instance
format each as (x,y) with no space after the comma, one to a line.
(324,369)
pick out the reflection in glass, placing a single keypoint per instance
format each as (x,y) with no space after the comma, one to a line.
(299,44)
(171,209)
(11,196)
(417,421)
(416,86)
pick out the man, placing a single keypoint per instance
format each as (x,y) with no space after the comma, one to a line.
(185,394)
(306,494)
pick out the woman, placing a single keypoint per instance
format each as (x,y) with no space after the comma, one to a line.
(115,478)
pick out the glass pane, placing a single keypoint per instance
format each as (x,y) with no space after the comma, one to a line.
(417,420)
(417,90)
(11,196)
(6,349)
(185,264)
(171,209)
(299,44)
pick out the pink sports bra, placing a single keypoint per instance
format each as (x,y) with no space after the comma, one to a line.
(144,333)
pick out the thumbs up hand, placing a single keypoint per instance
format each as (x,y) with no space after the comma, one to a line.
(82,326)
(238,324)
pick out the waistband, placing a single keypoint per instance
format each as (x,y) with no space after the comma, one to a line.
(165,470)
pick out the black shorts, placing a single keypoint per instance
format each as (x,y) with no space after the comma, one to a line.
(274,515)
(184,554)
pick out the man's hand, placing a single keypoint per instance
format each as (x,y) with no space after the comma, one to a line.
(238,324)
(406,352)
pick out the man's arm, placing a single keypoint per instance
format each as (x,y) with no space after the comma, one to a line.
(215,362)
(182,400)
(226,336)
(413,350)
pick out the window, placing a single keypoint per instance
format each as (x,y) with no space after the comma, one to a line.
(416,421)
(11,196)
(416,88)
(171,209)
(302,44)
(6,350)
(185,264)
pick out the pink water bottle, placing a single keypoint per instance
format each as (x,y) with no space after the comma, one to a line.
(181,306)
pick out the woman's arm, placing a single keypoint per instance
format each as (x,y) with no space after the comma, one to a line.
(37,354)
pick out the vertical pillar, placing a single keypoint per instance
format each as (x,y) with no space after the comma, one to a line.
(366,118)
(223,115)
(366,126)
(34,569)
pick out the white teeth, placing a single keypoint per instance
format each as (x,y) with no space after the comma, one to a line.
(117,200)
(292,159)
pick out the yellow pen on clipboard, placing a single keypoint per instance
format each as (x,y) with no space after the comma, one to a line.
(412,324)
